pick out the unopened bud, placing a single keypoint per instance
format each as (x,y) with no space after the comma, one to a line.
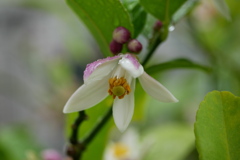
(158,25)
(134,46)
(51,154)
(115,47)
(121,35)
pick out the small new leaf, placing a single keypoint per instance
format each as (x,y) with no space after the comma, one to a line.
(162,9)
(222,8)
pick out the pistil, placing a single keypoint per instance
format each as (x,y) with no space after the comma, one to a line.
(118,87)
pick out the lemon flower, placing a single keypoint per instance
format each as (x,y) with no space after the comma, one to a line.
(115,76)
(128,146)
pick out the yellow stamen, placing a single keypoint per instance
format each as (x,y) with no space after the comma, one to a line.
(120,150)
(118,87)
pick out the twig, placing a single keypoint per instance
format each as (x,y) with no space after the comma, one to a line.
(76,149)
(150,52)
(74,137)
(157,38)
(97,128)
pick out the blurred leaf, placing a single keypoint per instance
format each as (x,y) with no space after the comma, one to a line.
(174,64)
(170,142)
(148,29)
(184,10)
(60,73)
(139,17)
(101,18)
(15,143)
(222,7)
(217,127)
(140,101)
(162,9)
(97,146)
(129,4)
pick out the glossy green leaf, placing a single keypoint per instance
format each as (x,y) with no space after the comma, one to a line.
(139,17)
(101,18)
(169,142)
(175,64)
(222,8)
(162,9)
(217,127)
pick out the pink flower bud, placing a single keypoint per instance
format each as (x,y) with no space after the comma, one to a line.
(121,35)
(158,25)
(115,47)
(51,154)
(134,46)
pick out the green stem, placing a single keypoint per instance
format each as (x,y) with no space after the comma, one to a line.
(98,127)
(76,149)
(74,136)
(157,39)
(150,53)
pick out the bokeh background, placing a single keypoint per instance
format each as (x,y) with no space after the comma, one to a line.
(44,49)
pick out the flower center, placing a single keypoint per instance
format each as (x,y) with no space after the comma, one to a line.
(120,150)
(118,90)
(118,87)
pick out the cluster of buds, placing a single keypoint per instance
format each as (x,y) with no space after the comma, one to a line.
(122,36)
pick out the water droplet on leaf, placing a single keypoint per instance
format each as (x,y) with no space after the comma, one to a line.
(171,28)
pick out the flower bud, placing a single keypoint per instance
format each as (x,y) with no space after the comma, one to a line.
(115,47)
(158,25)
(134,46)
(121,35)
(51,154)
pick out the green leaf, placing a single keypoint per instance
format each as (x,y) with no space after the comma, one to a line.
(170,142)
(139,17)
(162,9)
(174,64)
(217,127)
(129,4)
(16,143)
(140,101)
(184,10)
(222,7)
(101,18)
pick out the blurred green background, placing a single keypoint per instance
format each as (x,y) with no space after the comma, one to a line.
(44,49)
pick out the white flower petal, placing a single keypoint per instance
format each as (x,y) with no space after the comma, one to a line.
(110,152)
(123,109)
(156,89)
(131,64)
(87,96)
(100,68)
(131,139)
